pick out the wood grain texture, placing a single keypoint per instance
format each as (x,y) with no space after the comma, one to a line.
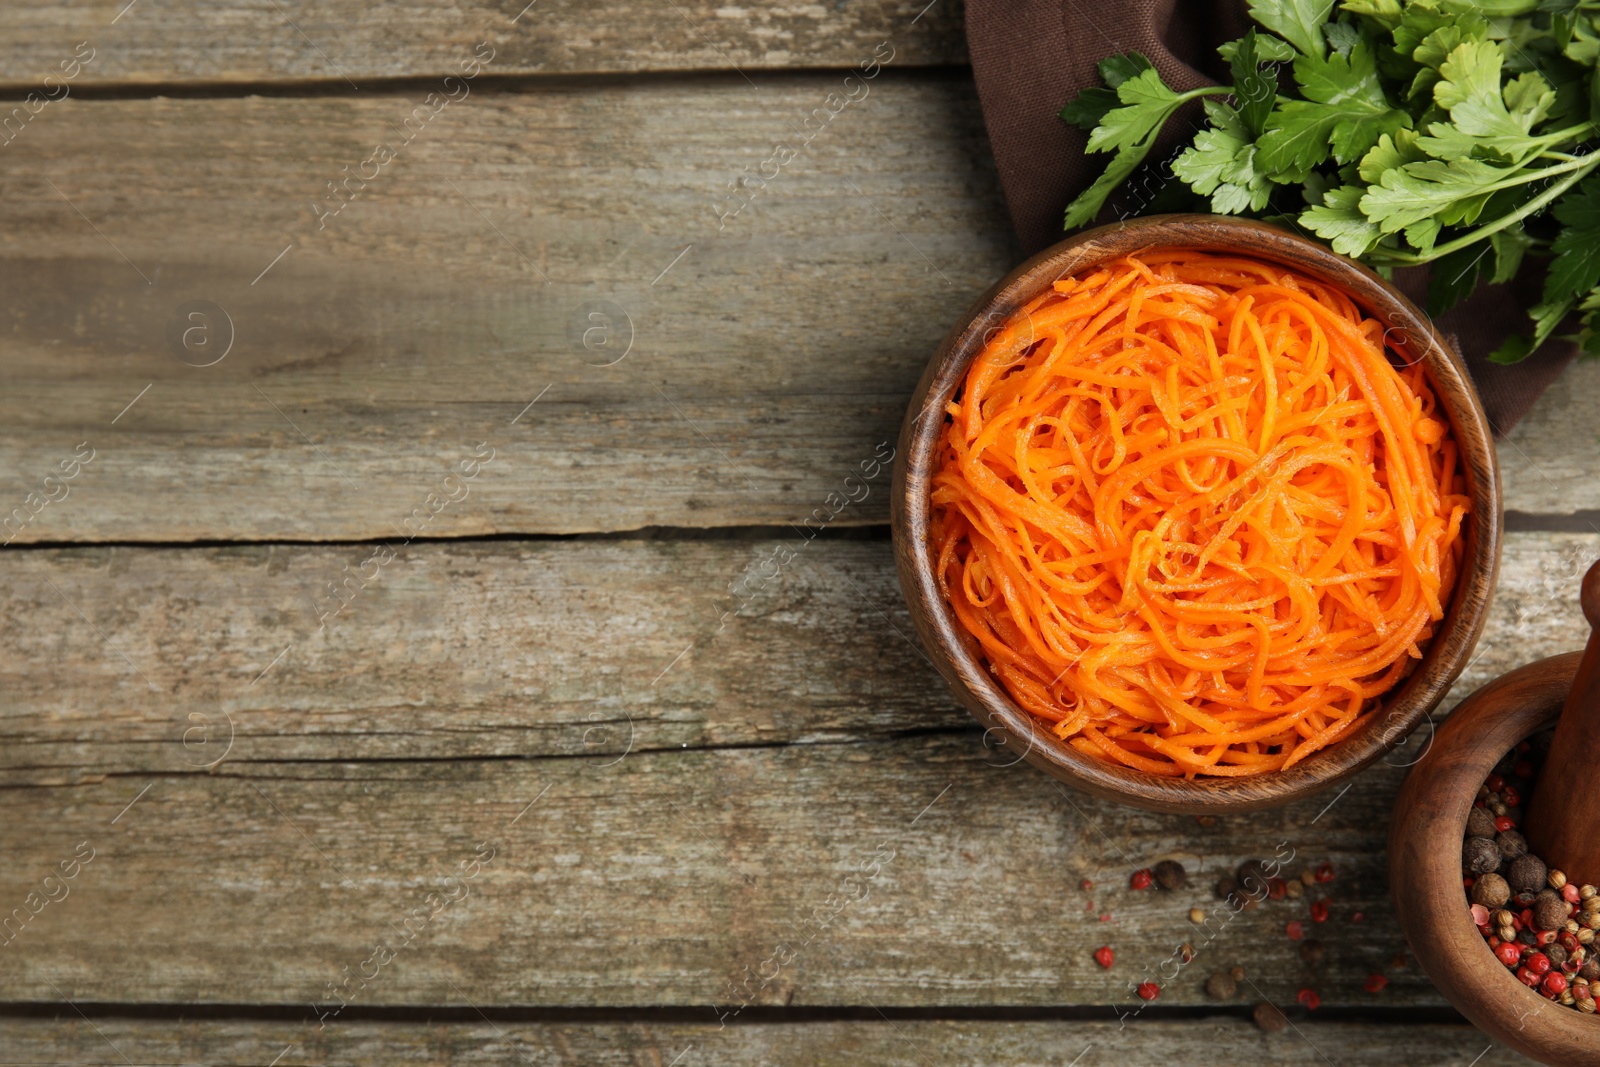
(1430,820)
(418,322)
(413,327)
(253,41)
(653,879)
(1549,459)
(480,650)
(1220,1042)
(956,652)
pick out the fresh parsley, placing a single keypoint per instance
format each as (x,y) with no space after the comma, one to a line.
(1464,134)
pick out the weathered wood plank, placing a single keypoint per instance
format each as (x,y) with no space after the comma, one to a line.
(250,41)
(1222,1042)
(656,878)
(376,352)
(1549,461)
(586,649)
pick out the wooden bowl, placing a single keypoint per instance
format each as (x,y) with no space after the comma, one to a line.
(1430,818)
(955,653)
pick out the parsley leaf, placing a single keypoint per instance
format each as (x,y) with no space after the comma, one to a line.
(1254,90)
(1339,219)
(1345,110)
(1090,106)
(1575,268)
(1297,21)
(1469,88)
(1221,164)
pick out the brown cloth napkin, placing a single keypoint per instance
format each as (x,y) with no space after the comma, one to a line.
(1031,56)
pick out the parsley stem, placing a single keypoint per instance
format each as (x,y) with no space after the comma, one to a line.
(1578,168)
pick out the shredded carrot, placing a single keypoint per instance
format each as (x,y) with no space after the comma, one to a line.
(1196,520)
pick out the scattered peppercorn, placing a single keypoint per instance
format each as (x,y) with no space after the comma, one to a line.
(1141,879)
(1400,961)
(1170,874)
(1197,916)
(1309,998)
(1104,956)
(1480,823)
(1295,929)
(1086,885)
(1294,888)
(1510,843)
(1277,888)
(1324,872)
(1236,973)
(1375,983)
(1526,873)
(1480,855)
(1270,1019)
(1206,820)
(1549,910)
(1148,991)
(1491,890)
(1319,911)
(1221,986)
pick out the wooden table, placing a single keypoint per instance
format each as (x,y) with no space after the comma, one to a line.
(423,651)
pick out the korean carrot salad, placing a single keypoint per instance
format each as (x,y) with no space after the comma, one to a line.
(1195,516)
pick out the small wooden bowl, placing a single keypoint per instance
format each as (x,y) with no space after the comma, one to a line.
(955,653)
(1430,818)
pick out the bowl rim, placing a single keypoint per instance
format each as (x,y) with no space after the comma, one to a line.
(954,653)
(1425,878)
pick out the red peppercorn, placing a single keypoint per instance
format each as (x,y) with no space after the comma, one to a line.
(1571,893)
(1277,888)
(1148,991)
(1309,998)
(1319,911)
(1358,916)
(1523,769)
(1547,937)
(1504,823)
(1375,983)
(1511,797)
(1480,914)
(1567,940)
(1508,952)
(1104,956)
(1295,930)
(1086,885)
(1105,916)
(1538,962)
(1324,872)
(1495,783)
(1555,983)
(1527,977)
(1467,883)
(1141,879)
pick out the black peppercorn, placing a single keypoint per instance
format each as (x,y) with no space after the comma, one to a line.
(1490,890)
(1527,937)
(1549,911)
(1480,855)
(1252,877)
(1556,954)
(1526,873)
(1590,971)
(1170,875)
(1480,823)
(1311,951)
(1511,844)
(1220,986)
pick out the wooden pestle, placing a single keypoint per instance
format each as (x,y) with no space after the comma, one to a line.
(1563,817)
